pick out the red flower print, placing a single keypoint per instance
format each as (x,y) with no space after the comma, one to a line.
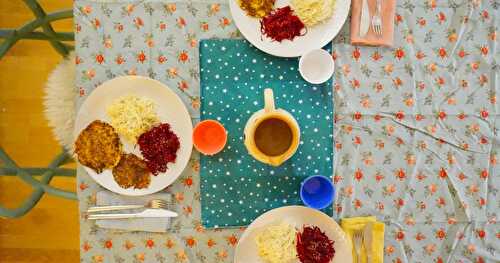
(169,244)
(78,60)
(356,54)
(376,56)
(337,178)
(442,173)
(462,53)
(377,117)
(484,174)
(338,208)
(128,245)
(232,240)
(334,55)
(119,27)
(96,23)
(150,243)
(484,50)
(379,206)
(183,56)
(483,140)
(484,114)
(419,236)
(482,201)
(421,21)
(204,26)
(442,115)
(358,175)
(78,28)
(483,79)
(87,9)
(187,210)
(441,17)
(452,221)
(181,22)
(461,116)
(390,249)
(162,26)
(86,246)
(83,186)
(400,174)
(442,52)
(190,241)
(399,202)
(222,254)
(485,14)
(119,60)
(141,57)
(398,19)
(183,85)
(441,202)
(439,260)
(397,82)
(440,81)
(420,55)
(99,58)
(421,176)
(354,83)
(421,85)
(357,116)
(357,140)
(108,244)
(162,59)
(400,115)
(171,8)
(400,235)
(223,22)
(138,22)
(357,203)
(399,53)
(188,181)
(379,177)
(431,4)
(419,117)
(480,233)
(211,243)
(474,65)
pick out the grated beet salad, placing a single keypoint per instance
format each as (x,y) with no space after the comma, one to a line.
(159,147)
(314,246)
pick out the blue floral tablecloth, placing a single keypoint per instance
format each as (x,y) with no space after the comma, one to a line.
(416,132)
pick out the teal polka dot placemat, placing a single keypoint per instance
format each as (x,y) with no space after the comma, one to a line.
(236,188)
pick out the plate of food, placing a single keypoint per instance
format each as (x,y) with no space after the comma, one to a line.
(133,135)
(289,28)
(293,234)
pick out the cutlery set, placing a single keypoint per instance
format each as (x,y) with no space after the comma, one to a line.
(155,208)
(362,239)
(376,20)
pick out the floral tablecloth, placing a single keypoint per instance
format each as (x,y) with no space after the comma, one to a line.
(416,132)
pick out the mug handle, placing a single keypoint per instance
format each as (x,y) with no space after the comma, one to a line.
(268,100)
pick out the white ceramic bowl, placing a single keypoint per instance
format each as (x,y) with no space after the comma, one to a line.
(316,66)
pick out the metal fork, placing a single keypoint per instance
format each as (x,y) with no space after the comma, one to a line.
(155,203)
(377,20)
(358,242)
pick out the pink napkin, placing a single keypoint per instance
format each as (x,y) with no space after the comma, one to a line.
(387,14)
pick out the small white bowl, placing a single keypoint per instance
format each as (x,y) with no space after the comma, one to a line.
(316,66)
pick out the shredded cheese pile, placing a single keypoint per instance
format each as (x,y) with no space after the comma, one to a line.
(276,244)
(131,116)
(313,12)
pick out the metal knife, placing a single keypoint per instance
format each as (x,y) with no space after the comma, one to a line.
(148,213)
(368,240)
(364,23)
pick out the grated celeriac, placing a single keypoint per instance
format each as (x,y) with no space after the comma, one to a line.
(131,116)
(276,244)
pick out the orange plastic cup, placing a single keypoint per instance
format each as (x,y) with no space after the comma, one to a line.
(209,137)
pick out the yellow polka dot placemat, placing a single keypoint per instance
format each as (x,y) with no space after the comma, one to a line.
(236,188)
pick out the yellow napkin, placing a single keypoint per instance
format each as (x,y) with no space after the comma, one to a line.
(349,225)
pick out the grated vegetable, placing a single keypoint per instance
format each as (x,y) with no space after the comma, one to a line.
(131,116)
(313,12)
(277,244)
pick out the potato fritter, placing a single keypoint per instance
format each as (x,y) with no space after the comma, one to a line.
(98,146)
(132,171)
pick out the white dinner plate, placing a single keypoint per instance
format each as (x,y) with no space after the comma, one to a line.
(169,108)
(316,36)
(298,216)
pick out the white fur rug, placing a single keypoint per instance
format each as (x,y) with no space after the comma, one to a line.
(59,101)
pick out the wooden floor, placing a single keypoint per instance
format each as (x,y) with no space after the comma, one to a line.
(50,232)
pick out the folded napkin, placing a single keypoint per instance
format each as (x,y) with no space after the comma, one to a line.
(133,224)
(349,225)
(387,15)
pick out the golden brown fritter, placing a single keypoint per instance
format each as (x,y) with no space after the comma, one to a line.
(98,146)
(132,171)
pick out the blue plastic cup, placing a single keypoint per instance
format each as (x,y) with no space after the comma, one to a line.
(317,191)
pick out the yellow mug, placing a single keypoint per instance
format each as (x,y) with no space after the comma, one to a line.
(272,135)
